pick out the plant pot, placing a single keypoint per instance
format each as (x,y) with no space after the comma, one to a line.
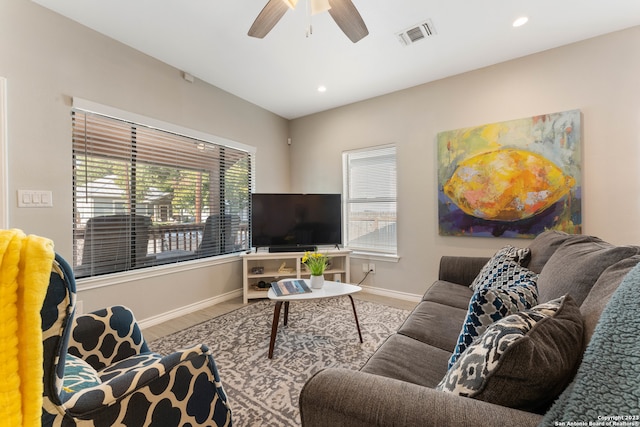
(317,282)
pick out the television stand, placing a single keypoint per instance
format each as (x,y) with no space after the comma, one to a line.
(296,248)
(270,267)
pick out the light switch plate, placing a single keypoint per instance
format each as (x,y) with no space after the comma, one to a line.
(35,199)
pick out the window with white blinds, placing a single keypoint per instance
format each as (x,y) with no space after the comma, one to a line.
(369,178)
(144,197)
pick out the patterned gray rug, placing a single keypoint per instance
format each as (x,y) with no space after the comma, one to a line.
(320,334)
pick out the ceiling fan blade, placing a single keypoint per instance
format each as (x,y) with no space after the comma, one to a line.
(348,19)
(268,18)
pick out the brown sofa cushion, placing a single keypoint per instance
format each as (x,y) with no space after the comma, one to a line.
(434,324)
(576,265)
(406,359)
(522,361)
(601,292)
(448,293)
(543,246)
(460,269)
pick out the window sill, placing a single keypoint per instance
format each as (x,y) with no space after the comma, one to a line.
(88,283)
(374,256)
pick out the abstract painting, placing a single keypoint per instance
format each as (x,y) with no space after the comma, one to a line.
(516,178)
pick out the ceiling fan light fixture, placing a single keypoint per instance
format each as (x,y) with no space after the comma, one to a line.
(319,6)
(291,3)
(343,12)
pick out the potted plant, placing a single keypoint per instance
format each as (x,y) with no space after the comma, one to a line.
(317,263)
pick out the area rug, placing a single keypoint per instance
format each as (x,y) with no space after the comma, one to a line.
(320,334)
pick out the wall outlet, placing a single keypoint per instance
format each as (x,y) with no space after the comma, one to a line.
(365,267)
(372,268)
(79,307)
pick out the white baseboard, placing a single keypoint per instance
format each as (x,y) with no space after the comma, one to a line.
(391,294)
(191,308)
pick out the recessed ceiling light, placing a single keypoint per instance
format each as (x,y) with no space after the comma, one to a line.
(520,21)
(322,88)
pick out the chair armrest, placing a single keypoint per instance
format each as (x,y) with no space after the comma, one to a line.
(106,336)
(342,397)
(460,269)
(167,379)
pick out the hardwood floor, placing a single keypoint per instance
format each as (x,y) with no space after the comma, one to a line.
(178,324)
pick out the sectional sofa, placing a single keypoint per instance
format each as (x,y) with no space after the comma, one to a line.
(532,359)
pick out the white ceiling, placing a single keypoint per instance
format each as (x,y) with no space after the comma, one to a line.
(208,39)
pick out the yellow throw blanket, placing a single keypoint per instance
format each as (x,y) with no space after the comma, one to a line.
(25,267)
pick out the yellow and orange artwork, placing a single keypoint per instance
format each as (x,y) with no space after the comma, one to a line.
(511,179)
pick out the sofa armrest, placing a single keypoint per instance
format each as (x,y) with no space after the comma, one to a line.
(342,397)
(460,269)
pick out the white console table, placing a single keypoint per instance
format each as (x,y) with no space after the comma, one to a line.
(266,266)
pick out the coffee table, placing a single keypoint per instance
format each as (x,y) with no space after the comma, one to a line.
(329,290)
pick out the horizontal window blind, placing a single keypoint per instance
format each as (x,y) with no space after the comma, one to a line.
(370,199)
(144,197)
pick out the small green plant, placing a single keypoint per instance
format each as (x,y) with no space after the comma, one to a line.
(316,262)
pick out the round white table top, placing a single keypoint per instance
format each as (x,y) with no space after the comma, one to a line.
(329,290)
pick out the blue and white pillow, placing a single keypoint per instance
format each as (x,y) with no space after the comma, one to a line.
(504,368)
(504,268)
(78,375)
(488,305)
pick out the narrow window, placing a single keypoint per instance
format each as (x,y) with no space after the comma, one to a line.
(369,177)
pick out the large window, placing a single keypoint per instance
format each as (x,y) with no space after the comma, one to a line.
(369,177)
(143,196)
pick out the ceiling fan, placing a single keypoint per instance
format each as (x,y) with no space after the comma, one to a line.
(343,12)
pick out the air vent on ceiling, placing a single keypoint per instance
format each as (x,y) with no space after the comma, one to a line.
(416,33)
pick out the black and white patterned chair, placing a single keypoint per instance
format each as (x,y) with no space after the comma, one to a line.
(98,370)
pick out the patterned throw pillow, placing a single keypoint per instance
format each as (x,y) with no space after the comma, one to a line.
(78,375)
(504,368)
(489,305)
(502,265)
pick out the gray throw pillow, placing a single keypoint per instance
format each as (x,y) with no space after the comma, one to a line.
(576,265)
(523,361)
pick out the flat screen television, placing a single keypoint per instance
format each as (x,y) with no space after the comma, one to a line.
(295,222)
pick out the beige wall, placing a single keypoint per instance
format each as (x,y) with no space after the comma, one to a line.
(47,60)
(601,77)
